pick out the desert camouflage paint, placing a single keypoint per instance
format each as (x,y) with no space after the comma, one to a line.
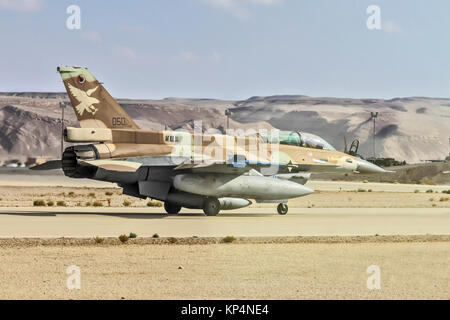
(93,105)
(103,120)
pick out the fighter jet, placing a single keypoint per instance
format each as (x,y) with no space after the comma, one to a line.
(212,172)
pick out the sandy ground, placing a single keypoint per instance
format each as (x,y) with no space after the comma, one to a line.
(418,270)
(204,269)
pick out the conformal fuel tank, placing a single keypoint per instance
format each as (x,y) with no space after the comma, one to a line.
(240,186)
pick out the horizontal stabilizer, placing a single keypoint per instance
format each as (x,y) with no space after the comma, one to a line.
(49,165)
(112,165)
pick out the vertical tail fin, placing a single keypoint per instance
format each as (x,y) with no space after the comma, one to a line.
(93,105)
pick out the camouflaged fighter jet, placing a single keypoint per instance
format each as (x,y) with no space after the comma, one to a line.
(209,172)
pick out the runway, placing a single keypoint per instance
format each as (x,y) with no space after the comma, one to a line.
(250,222)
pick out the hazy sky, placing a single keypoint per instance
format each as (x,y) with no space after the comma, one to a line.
(230,49)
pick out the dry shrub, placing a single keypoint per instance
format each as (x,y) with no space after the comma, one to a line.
(123,238)
(98,204)
(172,240)
(228,239)
(126,203)
(39,203)
(99,240)
(154,203)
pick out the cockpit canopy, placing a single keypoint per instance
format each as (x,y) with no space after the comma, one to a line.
(301,139)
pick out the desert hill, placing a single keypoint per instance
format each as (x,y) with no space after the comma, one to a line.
(412,129)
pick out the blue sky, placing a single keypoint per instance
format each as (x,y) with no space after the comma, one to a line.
(231,49)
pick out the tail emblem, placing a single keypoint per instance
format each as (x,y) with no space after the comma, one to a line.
(84,98)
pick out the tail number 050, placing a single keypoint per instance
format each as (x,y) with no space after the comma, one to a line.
(119,121)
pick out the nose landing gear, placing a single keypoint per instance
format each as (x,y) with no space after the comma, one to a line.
(282,209)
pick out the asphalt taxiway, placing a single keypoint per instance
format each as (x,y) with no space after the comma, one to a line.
(249,222)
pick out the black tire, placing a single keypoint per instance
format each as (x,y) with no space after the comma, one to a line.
(172,208)
(211,207)
(282,209)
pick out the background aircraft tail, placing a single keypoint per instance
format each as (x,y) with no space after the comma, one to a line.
(93,105)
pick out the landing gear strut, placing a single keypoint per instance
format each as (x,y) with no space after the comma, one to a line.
(282,209)
(211,206)
(171,208)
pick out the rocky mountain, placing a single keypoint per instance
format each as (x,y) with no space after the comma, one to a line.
(412,129)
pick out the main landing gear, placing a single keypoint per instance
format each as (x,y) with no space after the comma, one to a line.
(211,207)
(171,208)
(282,209)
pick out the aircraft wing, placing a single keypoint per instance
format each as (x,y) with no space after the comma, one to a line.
(317,167)
(224,167)
(215,167)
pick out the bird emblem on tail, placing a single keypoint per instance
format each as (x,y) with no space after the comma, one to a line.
(86,102)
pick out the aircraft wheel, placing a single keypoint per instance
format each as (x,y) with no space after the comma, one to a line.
(172,208)
(211,206)
(282,209)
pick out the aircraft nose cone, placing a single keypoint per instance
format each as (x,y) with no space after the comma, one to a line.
(368,167)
